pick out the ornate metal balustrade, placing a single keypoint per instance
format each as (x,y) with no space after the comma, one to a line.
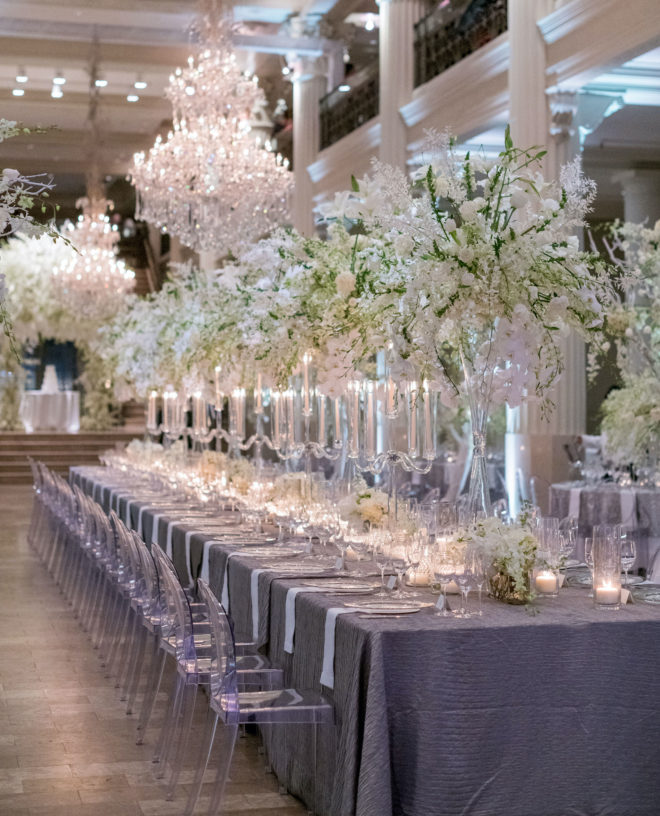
(441,41)
(344,112)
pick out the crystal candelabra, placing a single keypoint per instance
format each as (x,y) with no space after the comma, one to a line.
(374,406)
(173,424)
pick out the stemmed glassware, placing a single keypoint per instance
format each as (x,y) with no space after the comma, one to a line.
(444,570)
(628,552)
(381,557)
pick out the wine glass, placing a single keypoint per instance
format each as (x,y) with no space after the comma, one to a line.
(628,552)
(479,574)
(444,570)
(382,559)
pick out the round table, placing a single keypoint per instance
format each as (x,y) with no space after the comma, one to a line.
(637,508)
(51,411)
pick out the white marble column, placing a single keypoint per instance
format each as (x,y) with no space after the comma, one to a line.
(534,443)
(396,66)
(641,195)
(309,84)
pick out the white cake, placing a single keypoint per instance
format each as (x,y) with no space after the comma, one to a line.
(50,384)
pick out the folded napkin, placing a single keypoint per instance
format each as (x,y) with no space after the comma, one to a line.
(154,528)
(189,535)
(225,582)
(574,503)
(205,559)
(254,597)
(328,673)
(290,613)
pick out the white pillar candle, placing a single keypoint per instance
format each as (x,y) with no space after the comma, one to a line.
(275,401)
(306,360)
(370,442)
(258,396)
(608,595)
(546,583)
(429,437)
(218,388)
(412,420)
(152,411)
(390,398)
(322,432)
(337,413)
(354,418)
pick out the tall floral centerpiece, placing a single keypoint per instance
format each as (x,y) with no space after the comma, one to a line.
(631,414)
(481,276)
(20,196)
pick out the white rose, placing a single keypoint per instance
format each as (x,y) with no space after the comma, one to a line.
(345,283)
(518,199)
(469,209)
(9,175)
(450,225)
(467,278)
(629,332)
(551,204)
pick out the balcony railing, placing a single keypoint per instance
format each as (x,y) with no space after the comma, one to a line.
(445,37)
(342,112)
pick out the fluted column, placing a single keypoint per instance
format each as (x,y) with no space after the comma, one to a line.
(534,443)
(396,60)
(309,85)
(641,195)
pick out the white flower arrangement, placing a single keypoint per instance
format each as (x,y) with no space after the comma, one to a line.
(479,257)
(631,420)
(365,505)
(510,549)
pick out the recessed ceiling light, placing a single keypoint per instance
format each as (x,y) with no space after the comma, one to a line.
(140,84)
(344,88)
(132,98)
(100,83)
(58,79)
(18,92)
(56,92)
(21,76)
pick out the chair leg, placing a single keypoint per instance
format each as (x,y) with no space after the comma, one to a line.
(139,651)
(153,687)
(180,744)
(169,724)
(227,736)
(206,746)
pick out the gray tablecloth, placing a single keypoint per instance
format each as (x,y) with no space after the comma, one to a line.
(601,504)
(546,712)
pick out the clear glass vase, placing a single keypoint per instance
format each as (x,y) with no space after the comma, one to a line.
(478,387)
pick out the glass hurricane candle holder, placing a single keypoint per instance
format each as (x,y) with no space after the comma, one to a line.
(607,572)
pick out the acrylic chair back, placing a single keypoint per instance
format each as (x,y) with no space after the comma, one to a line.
(224,685)
(178,609)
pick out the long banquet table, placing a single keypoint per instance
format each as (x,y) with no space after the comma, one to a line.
(553,711)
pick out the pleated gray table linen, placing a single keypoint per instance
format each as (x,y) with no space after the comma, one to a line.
(547,712)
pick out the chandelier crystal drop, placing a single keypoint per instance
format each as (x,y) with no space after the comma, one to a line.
(93,278)
(214,181)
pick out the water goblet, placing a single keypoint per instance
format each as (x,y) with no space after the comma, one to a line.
(628,552)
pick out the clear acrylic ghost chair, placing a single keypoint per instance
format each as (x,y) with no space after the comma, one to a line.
(229,707)
(193,656)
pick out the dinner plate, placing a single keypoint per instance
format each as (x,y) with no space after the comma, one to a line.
(341,587)
(273,552)
(379,608)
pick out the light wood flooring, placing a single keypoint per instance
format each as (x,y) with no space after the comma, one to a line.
(67,747)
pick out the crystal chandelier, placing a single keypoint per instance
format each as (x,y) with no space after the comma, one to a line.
(213,181)
(94,279)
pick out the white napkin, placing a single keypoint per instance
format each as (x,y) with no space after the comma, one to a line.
(139,524)
(290,613)
(128,513)
(328,673)
(154,529)
(628,501)
(168,544)
(205,559)
(189,535)
(254,596)
(574,503)
(225,582)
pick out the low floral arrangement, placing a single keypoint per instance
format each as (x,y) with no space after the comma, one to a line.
(365,506)
(511,550)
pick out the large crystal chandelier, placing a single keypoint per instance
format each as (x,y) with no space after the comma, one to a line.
(214,181)
(93,280)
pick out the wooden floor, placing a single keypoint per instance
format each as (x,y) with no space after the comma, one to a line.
(66,746)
